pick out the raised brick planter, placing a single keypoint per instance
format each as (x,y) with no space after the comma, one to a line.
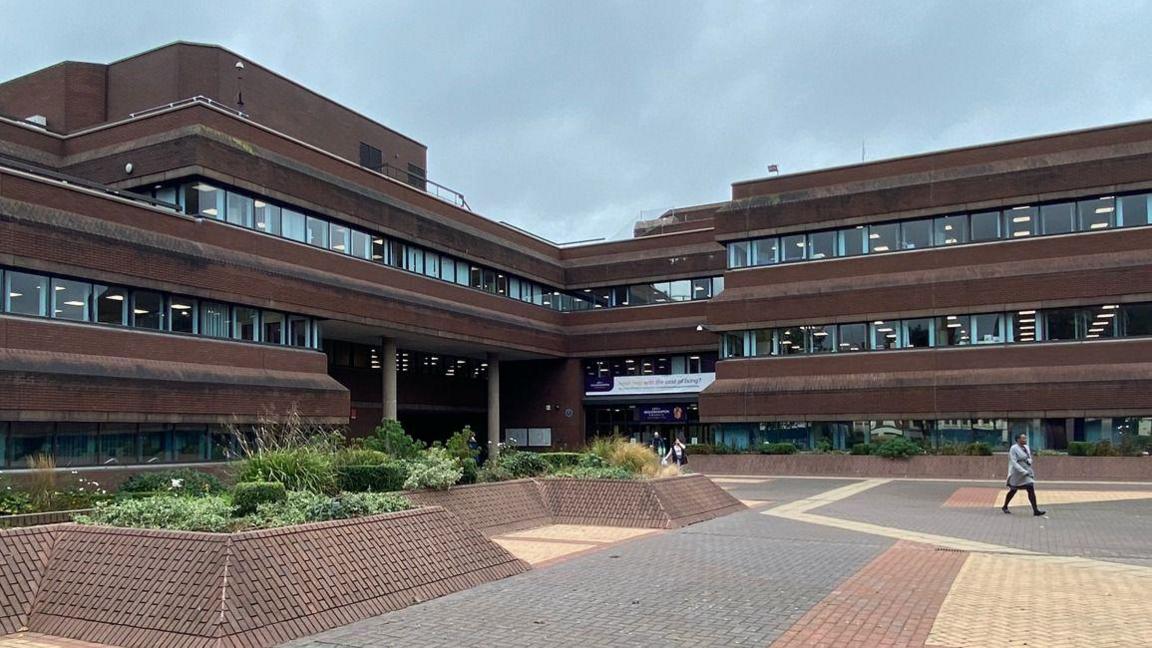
(36,519)
(143,588)
(934,467)
(495,508)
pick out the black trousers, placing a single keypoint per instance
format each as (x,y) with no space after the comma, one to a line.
(1031,488)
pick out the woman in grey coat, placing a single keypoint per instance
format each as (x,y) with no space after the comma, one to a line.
(1020,474)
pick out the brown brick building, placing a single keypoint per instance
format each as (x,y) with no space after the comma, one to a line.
(188,240)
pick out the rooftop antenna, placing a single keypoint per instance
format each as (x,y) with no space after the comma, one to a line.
(862,149)
(239,84)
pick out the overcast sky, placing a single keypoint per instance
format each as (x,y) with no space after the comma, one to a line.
(574,119)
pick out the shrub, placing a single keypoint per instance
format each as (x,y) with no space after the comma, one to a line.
(436,470)
(1133,445)
(637,458)
(247,496)
(1079,448)
(209,513)
(458,448)
(950,450)
(861,449)
(299,469)
(700,449)
(390,438)
(12,501)
(978,449)
(558,460)
(897,448)
(492,472)
(381,478)
(524,464)
(1103,449)
(184,481)
(359,457)
(317,508)
(778,448)
(606,472)
(589,460)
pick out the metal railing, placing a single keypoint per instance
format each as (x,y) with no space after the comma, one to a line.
(191,100)
(422,183)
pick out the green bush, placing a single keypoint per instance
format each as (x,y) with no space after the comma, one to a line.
(606,472)
(458,448)
(590,460)
(778,448)
(897,448)
(1134,445)
(558,460)
(247,496)
(978,449)
(299,469)
(359,457)
(391,439)
(469,472)
(381,478)
(1103,449)
(211,513)
(524,464)
(950,450)
(183,481)
(1079,448)
(309,507)
(700,449)
(861,449)
(493,472)
(13,501)
(436,470)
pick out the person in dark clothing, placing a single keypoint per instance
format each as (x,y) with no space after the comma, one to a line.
(657,444)
(1020,474)
(677,453)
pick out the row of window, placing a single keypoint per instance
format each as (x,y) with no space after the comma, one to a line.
(665,365)
(258,214)
(95,444)
(1079,323)
(1088,215)
(40,295)
(363,356)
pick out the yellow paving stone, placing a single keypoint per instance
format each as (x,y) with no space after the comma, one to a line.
(581,533)
(1080,602)
(1046,497)
(37,640)
(535,552)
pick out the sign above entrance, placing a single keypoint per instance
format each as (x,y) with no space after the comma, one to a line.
(645,385)
(662,413)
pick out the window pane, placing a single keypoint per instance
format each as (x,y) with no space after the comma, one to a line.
(620,296)
(215,320)
(1024,326)
(395,255)
(916,235)
(1058,219)
(822,338)
(918,332)
(148,310)
(155,443)
(111,305)
(117,443)
(660,292)
(953,330)
(338,240)
(27,294)
(361,245)
(182,314)
(29,439)
(247,325)
(413,259)
(951,230)
(989,328)
(717,285)
(852,241)
(273,323)
(790,341)
(464,278)
(1097,214)
(764,251)
(882,238)
(853,337)
(70,299)
(489,277)
(1137,319)
(1064,324)
(298,331)
(792,247)
(293,224)
(1101,321)
(1134,210)
(732,345)
(762,342)
(701,288)
(640,295)
(189,443)
(1020,222)
(207,201)
(822,245)
(76,444)
(378,249)
(738,254)
(985,226)
(239,210)
(885,334)
(680,290)
(316,232)
(432,264)
(267,217)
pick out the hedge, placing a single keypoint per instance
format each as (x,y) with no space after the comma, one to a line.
(379,479)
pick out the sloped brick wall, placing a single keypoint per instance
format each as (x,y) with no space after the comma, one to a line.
(694,498)
(23,559)
(492,508)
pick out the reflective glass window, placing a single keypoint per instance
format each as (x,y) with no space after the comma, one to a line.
(640,294)
(793,247)
(1137,319)
(361,245)
(299,331)
(1020,222)
(338,238)
(1058,219)
(951,230)
(29,440)
(1097,214)
(918,332)
(118,443)
(76,444)
(738,254)
(762,342)
(247,323)
(660,292)
(853,241)
(378,249)
(883,238)
(464,273)
(620,296)
(764,251)
(989,328)
(489,278)
(1024,326)
(501,284)
(148,310)
(111,305)
(1102,321)
(240,210)
(189,443)
(267,217)
(953,330)
(717,285)
(1133,210)
(448,273)
(395,254)
(293,225)
(182,314)
(701,288)
(206,200)
(822,339)
(26,294)
(984,226)
(885,334)
(680,290)
(432,264)
(215,320)
(1065,324)
(791,341)
(852,337)
(273,327)
(70,299)
(821,245)
(316,232)
(916,234)
(414,259)
(155,443)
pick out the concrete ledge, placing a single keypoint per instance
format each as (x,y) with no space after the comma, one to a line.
(993,468)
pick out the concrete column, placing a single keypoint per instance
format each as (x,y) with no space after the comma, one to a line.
(389,380)
(493,406)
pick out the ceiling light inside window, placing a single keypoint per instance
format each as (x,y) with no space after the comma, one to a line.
(73,303)
(115,297)
(1021,219)
(260,204)
(1105,210)
(15,295)
(873,236)
(211,211)
(880,248)
(180,307)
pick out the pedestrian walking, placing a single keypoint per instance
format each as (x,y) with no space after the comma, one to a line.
(1020,474)
(677,453)
(657,444)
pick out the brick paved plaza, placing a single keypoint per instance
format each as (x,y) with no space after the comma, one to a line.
(823,562)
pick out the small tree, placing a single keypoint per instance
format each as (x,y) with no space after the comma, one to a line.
(391,438)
